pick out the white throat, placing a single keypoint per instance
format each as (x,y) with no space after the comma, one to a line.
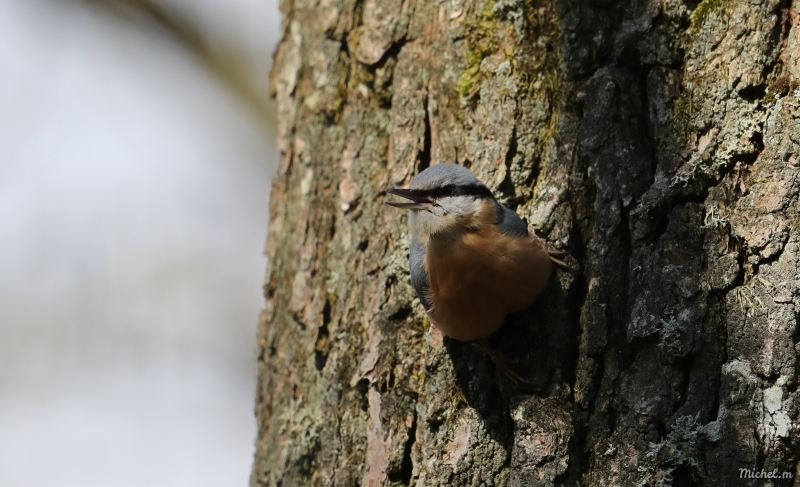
(454,214)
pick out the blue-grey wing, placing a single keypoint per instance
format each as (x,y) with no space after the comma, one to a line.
(419,276)
(510,223)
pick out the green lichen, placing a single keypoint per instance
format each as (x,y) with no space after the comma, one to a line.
(701,12)
(779,87)
(682,109)
(540,64)
(543,59)
(531,45)
(482,42)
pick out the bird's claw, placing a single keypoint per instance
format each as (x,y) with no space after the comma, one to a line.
(557,256)
(503,363)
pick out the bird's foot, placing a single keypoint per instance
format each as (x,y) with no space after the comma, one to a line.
(503,363)
(557,256)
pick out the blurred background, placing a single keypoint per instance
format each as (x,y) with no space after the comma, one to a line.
(136,152)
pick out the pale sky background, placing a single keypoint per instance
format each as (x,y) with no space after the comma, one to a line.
(133,213)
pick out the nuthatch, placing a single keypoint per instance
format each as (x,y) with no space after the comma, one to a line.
(473,261)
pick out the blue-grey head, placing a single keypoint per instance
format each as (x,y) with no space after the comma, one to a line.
(443,198)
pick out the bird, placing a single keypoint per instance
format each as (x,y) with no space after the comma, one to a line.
(472,260)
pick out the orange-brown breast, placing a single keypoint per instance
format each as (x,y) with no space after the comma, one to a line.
(478,277)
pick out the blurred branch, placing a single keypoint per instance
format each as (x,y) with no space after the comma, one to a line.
(227,68)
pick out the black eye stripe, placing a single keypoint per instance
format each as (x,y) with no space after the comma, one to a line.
(453,190)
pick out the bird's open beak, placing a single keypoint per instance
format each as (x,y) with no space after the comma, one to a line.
(418,201)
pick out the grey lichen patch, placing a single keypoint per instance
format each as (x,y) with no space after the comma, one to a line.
(671,344)
(680,450)
(714,219)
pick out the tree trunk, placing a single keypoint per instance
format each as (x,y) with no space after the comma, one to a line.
(656,142)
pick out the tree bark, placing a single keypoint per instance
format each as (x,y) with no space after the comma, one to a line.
(656,142)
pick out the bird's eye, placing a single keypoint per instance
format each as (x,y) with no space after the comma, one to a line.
(447,191)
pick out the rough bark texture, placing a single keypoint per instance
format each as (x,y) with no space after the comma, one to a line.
(657,142)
